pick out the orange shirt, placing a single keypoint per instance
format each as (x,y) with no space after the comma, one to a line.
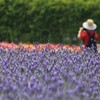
(85,37)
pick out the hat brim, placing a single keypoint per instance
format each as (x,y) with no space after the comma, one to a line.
(86,26)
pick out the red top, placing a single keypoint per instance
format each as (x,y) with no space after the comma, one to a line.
(85,37)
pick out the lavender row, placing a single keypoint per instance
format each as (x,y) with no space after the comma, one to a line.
(49,75)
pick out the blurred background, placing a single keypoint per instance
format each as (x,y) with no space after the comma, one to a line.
(43,21)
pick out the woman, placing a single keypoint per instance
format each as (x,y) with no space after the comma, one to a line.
(88,35)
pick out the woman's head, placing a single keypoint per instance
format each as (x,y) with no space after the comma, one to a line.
(89,25)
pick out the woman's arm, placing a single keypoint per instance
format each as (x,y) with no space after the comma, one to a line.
(97,36)
(79,32)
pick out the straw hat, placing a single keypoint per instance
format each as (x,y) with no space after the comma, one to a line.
(89,25)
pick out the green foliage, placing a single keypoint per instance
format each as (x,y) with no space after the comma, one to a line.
(56,21)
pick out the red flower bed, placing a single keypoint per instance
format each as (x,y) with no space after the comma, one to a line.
(40,46)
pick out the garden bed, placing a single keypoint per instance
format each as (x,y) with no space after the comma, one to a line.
(48,73)
(39,46)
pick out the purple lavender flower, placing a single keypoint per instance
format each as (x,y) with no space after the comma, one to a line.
(49,74)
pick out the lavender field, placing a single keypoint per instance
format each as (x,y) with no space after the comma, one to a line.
(49,74)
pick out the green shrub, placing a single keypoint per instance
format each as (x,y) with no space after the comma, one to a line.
(54,21)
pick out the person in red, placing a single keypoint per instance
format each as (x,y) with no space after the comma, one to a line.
(87,32)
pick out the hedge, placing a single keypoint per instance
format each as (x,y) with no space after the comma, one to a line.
(54,21)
